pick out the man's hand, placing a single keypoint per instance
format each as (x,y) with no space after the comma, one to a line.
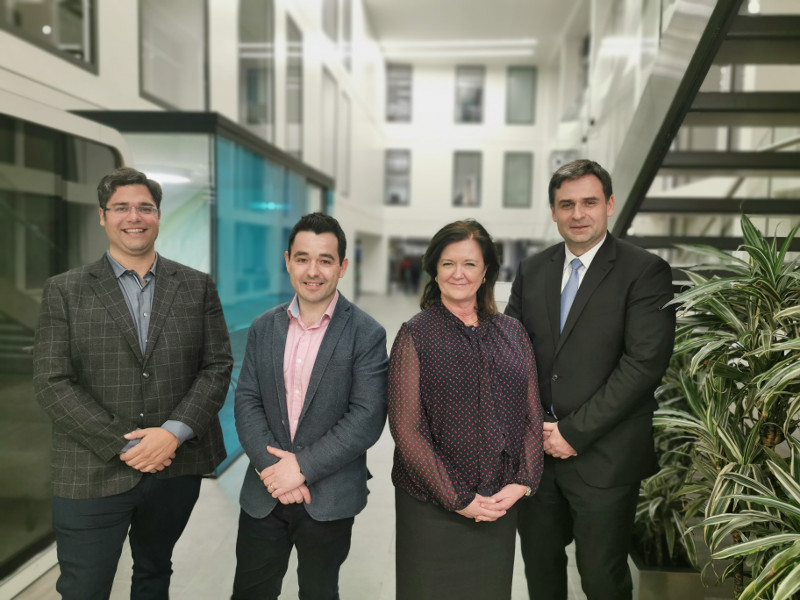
(481,509)
(298,495)
(284,476)
(153,453)
(554,444)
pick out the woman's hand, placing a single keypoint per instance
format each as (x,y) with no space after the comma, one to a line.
(483,509)
(508,496)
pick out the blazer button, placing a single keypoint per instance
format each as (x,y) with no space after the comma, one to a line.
(145,375)
(554,377)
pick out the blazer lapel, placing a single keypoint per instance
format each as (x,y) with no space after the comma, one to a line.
(106,288)
(601,265)
(280,331)
(166,288)
(553,276)
(341,315)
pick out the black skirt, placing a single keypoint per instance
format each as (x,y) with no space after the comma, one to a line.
(441,554)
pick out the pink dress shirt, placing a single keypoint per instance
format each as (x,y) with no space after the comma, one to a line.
(299,356)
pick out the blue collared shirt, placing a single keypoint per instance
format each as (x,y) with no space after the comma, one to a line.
(138,295)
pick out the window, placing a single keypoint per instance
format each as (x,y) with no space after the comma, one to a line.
(467,179)
(256,67)
(329,123)
(67,28)
(517,179)
(521,96)
(344,163)
(398,177)
(398,93)
(330,18)
(294,89)
(469,94)
(173,53)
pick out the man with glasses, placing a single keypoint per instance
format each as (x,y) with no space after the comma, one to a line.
(132,362)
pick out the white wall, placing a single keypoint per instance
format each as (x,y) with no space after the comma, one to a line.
(433,137)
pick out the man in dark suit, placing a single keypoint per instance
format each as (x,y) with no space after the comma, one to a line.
(310,401)
(594,309)
(132,362)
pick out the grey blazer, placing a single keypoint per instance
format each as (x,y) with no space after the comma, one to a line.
(91,378)
(343,413)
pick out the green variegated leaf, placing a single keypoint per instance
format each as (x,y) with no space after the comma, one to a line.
(790,584)
(756,545)
(788,483)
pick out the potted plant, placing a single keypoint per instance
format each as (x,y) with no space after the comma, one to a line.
(726,403)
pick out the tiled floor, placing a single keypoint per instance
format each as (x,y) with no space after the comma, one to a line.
(204,557)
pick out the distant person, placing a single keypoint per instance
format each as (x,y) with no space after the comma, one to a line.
(594,309)
(132,362)
(465,415)
(311,399)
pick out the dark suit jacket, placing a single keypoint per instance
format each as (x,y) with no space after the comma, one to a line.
(600,373)
(90,376)
(343,413)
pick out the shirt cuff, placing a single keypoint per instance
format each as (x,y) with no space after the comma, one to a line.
(180,430)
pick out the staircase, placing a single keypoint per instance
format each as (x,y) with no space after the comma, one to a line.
(747,178)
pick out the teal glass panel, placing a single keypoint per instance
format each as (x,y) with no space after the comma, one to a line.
(258,203)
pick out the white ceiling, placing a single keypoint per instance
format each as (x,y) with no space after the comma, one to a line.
(504,24)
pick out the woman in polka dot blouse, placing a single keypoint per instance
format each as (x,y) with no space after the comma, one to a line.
(466,419)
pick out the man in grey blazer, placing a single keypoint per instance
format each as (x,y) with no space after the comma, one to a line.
(132,362)
(310,401)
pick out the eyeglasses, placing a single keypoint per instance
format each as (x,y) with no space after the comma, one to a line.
(145,210)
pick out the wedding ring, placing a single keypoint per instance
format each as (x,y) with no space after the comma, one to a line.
(270,487)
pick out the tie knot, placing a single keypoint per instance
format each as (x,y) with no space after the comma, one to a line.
(576,264)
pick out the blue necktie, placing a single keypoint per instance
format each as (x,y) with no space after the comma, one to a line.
(568,294)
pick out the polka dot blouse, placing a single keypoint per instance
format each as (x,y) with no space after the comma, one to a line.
(464,408)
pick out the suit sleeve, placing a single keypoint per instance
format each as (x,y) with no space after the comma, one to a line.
(648,342)
(426,467)
(514,306)
(362,424)
(251,420)
(57,386)
(199,407)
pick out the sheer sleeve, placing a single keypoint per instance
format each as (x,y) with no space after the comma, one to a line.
(531,461)
(422,463)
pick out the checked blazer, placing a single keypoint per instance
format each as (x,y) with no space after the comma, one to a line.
(91,378)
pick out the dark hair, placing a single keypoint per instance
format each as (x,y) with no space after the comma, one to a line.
(319,223)
(575,170)
(126,176)
(457,232)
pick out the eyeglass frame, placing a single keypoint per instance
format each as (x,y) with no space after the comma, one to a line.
(142,210)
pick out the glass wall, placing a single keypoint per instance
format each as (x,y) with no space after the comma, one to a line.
(173,53)
(258,203)
(48,224)
(256,67)
(64,26)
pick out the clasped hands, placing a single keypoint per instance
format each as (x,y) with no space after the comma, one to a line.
(283,480)
(153,453)
(491,508)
